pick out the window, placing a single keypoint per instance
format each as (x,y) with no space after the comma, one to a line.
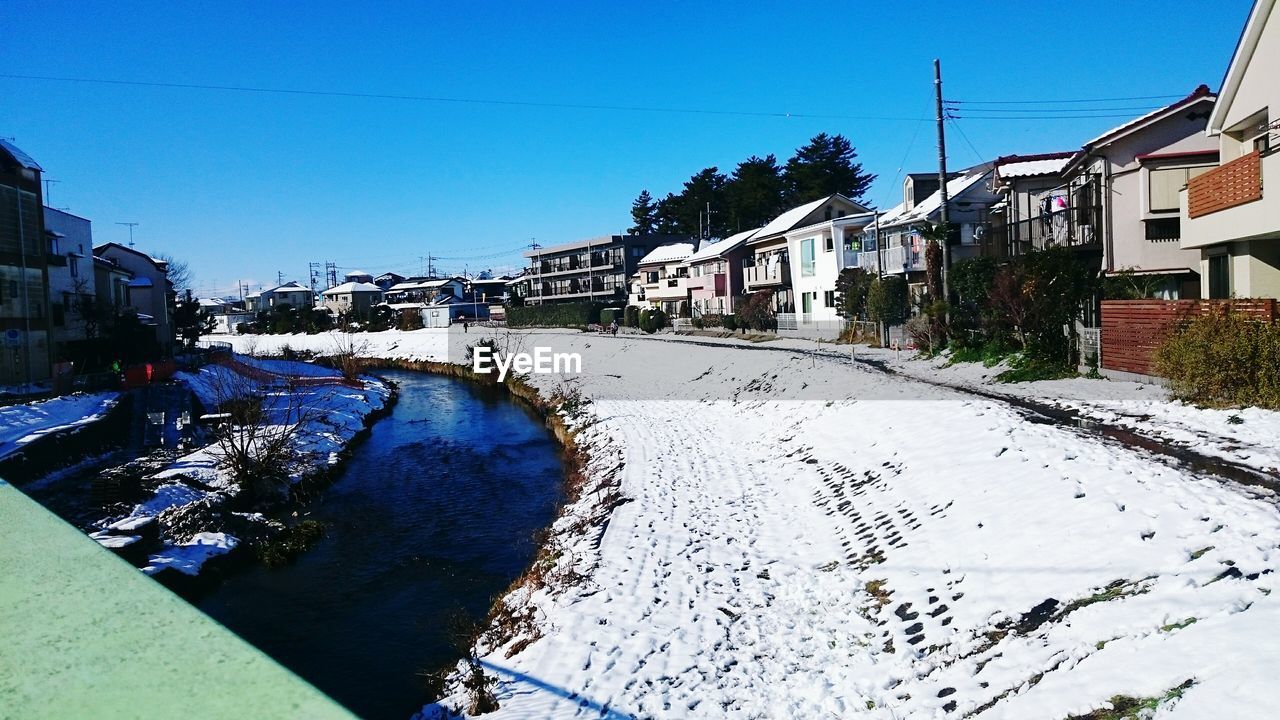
(806,302)
(829,244)
(1164,184)
(75,267)
(806,257)
(1219,277)
(829,298)
(1163,229)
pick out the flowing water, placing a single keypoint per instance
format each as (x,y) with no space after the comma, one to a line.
(434,513)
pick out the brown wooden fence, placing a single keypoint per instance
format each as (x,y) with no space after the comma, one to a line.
(1133,329)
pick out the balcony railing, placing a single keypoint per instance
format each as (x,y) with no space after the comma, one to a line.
(1079,227)
(776,273)
(850,258)
(1227,186)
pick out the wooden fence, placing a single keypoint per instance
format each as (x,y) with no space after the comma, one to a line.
(1235,183)
(1133,329)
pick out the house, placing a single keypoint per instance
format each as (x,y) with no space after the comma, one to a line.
(487,289)
(1026,185)
(1118,201)
(821,251)
(662,279)
(447,309)
(767,267)
(387,279)
(71,277)
(714,281)
(150,292)
(596,270)
(25,328)
(351,298)
(1230,221)
(893,245)
(358,276)
(110,285)
(426,290)
(292,294)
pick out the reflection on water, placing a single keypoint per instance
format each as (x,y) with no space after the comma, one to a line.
(434,512)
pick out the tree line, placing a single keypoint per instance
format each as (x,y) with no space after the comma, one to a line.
(755,192)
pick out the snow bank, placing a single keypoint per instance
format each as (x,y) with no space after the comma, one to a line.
(887,548)
(23,424)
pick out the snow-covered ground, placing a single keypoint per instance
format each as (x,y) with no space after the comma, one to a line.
(809,537)
(1247,436)
(23,424)
(334,414)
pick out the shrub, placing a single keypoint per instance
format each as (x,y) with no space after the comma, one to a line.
(1223,358)
(607,316)
(887,300)
(756,312)
(852,286)
(652,320)
(729,322)
(579,314)
(631,316)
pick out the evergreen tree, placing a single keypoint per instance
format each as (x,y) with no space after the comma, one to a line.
(706,186)
(824,166)
(664,215)
(643,214)
(755,192)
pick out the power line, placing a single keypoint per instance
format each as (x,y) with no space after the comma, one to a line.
(1055,102)
(444,99)
(1039,117)
(1145,108)
(967,141)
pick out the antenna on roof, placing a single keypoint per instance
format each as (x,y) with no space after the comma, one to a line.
(131,226)
(47,183)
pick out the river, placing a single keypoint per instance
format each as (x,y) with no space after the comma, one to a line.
(434,513)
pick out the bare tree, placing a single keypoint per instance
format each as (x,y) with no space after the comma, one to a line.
(258,433)
(349,354)
(178,272)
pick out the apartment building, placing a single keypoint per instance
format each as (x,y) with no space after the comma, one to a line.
(25,324)
(592,270)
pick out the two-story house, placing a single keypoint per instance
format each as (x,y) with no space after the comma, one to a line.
(1027,185)
(71,277)
(150,291)
(714,278)
(821,251)
(662,278)
(1119,198)
(893,245)
(1230,222)
(768,267)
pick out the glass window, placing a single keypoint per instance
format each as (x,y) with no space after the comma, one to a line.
(1219,277)
(1164,184)
(807,257)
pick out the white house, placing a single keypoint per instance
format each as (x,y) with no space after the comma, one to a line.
(71,275)
(1227,214)
(352,298)
(662,278)
(820,252)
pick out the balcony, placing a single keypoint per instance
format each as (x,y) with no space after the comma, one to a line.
(766,275)
(712,282)
(850,258)
(1078,227)
(1226,186)
(1228,202)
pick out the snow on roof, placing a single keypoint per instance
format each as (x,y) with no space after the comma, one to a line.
(720,247)
(22,158)
(674,252)
(291,286)
(420,284)
(1031,168)
(791,218)
(352,287)
(930,205)
(356,272)
(211,302)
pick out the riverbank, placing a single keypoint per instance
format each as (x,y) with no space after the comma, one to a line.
(804,535)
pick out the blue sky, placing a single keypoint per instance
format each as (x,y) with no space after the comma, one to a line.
(243,185)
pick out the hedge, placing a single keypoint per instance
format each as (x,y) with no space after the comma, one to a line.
(578,314)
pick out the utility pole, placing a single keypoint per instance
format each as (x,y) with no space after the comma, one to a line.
(537,263)
(279,278)
(942,181)
(47,183)
(331,273)
(313,272)
(131,226)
